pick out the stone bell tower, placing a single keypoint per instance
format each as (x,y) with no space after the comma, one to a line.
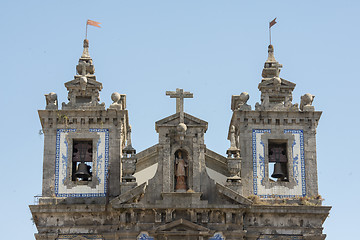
(276,140)
(276,145)
(83,141)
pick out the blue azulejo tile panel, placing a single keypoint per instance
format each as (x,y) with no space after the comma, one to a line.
(63,161)
(258,149)
(298,166)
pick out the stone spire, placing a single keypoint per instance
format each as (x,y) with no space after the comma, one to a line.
(271,67)
(276,93)
(83,91)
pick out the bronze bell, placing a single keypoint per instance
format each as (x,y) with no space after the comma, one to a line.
(278,172)
(82,171)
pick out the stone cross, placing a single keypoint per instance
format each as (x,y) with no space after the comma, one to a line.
(179,95)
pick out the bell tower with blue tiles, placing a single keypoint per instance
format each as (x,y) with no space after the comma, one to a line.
(83,141)
(276,140)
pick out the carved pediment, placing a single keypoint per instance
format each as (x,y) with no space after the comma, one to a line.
(174,120)
(181,225)
(274,82)
(91,83)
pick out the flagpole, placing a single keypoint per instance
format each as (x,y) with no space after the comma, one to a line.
(272,23)
(86,29)
(92,23)
(270,34)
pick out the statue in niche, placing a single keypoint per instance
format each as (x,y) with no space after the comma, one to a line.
(180,172)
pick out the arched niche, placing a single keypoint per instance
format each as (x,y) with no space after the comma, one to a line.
(181,170)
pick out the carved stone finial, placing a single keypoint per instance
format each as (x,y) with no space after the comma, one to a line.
(85,67)
(306,102)
(128,161)
(83,91)
(276,93)
(115,97)
(51,101)
(119,101)
(181,129)
(234,167)
(271,67)
(271,57)
(86,49)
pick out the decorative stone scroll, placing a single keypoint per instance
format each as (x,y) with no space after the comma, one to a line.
(306,102)
(239,102)
(51,101)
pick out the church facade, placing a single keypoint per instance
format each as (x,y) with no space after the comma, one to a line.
(267,187)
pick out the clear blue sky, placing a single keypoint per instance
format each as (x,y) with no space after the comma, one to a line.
(214,49)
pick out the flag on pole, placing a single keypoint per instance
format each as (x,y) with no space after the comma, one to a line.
(93,23)
(272,23)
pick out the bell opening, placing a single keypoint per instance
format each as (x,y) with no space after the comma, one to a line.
(278,161)
(82,160)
